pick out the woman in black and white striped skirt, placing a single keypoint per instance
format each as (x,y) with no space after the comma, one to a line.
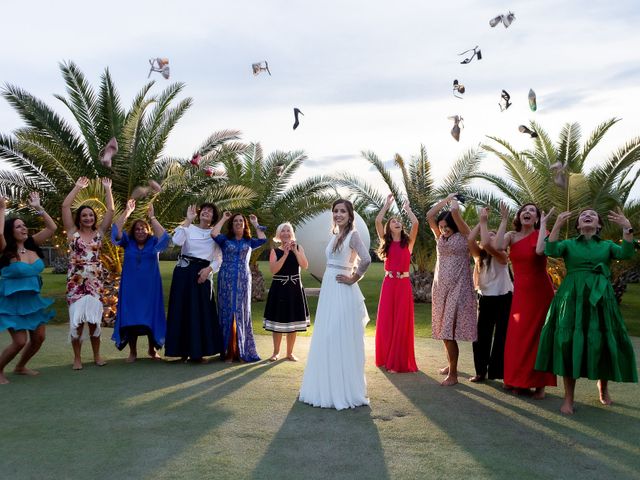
(286,310)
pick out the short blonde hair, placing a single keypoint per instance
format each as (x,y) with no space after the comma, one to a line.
(276,237)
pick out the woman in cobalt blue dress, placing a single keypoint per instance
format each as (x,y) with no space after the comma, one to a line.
(140,299)
(22,308)
(234,285)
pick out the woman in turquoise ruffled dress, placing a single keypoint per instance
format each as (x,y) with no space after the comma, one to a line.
(23,312)
(584,334)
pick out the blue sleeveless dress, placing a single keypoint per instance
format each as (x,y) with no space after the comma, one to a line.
(21,306)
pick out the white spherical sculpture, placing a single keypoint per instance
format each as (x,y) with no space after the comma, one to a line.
(315,234)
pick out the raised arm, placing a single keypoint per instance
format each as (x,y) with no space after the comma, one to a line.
(50,226)
(180,233)
(158,229)
(618,218)
(259,231)
(485,239)
(463,228)
(3,208)
(501,241)
(557,227)
(474,249)
(413,233)
(543,230)
(217,228)
(108,201)
(433,213)
(67,217)
(381,214)
(121,220)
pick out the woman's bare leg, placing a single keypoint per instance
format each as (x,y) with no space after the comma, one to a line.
(452,354)
(76,344)
(277,340)
(95,346)
(36,338)
(569,390)
(18,341)
(291,341)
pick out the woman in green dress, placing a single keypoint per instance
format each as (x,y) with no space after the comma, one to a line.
(584,334)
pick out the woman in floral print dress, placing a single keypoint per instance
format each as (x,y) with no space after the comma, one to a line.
(453,301)
(84,276)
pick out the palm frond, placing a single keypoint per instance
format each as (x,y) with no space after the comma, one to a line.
(595,137)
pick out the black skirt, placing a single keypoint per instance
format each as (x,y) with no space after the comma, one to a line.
(193,329)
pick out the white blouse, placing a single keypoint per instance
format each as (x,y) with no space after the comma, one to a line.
(197,242)
(494,279)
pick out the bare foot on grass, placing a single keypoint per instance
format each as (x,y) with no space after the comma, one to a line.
(605,399)
(131,358)
(477,378)
(77,365)
(274,357)
(99,361)
(292,358)
(567,407)
(449,381)
(153,355)
(3,379)
(26,371)
(538,394)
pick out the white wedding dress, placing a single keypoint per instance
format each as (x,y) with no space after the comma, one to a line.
(334,375)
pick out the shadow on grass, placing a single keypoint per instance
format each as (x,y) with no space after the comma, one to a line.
(495,428)
(185,395)
(320,443)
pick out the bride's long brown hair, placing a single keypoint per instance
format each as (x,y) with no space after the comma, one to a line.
(345,231)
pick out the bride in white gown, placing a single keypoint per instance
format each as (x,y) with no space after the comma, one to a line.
(334,375)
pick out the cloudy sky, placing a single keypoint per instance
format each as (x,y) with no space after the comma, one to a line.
(368,75)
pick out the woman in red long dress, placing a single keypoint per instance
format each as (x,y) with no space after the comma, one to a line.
(532,295)
(394,323)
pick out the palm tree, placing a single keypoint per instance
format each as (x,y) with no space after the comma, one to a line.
(274,199)
(418,187)
(49,154)
(554,175)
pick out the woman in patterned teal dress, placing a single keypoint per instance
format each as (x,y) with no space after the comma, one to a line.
(22,309)
(584,334)
(234,285)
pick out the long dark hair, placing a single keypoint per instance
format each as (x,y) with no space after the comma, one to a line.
(246,232)
(11,249)
(350,223)
(76,220)
(518,224)
(447,217)
(387,240)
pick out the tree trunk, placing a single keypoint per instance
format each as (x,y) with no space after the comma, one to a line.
(258,289)
(421,283)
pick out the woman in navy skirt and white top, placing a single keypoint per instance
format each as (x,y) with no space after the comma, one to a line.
(193,329)
(286,311)
(493,283)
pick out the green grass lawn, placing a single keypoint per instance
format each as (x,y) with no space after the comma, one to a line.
(170,420)
(54,287)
